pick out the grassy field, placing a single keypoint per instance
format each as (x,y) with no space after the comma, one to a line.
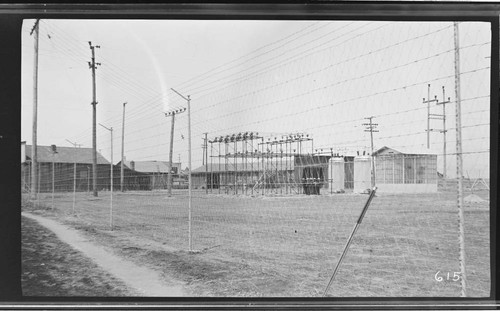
(289,245)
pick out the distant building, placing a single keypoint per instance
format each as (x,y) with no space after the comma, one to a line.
(269,173)
(154,174)
(406,170)
(60,162)
(223,175)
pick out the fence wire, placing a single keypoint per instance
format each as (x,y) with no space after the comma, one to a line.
(282,176)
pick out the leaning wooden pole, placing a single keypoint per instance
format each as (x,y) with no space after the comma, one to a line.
(346,247)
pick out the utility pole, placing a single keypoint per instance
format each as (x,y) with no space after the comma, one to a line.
(443,117)
(54,151)
(428,102)
(371,127)
(460,199)
(74,173)
(111,179)
(205,159)
(123,148)
(188,99)
(170,153)
(93,65)
(34,151)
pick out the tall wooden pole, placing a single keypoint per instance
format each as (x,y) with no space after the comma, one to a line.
(123,148)
(189,176)
(444,102)
(170,155)
(94,103)
(188,99)
(444,137)
(111,187)
(34,153)
(460,199)
(428,115)
(205,159)
(171,151)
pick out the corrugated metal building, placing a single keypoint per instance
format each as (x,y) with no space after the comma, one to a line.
(406,170)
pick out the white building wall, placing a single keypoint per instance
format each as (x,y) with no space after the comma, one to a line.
(362,174)
(23,152)
(336,173)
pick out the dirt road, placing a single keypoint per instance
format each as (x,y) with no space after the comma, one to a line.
(144,281)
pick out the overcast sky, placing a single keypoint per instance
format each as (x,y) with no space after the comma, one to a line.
(271,77)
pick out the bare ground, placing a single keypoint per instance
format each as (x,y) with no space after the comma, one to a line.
(53,268)
(289,246)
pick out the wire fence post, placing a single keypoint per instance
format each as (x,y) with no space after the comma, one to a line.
(460,199)
(74,174)
(111,180)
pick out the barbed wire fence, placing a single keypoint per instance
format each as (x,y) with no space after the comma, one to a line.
(275,120)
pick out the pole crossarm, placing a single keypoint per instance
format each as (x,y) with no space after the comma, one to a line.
(175,111)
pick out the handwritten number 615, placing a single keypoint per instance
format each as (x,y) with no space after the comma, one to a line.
(448,276)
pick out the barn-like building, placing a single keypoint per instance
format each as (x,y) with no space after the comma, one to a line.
(153,174)
(60,162)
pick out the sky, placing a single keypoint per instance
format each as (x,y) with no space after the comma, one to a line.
(322,78)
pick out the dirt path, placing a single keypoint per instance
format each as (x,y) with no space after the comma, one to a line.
(144,280)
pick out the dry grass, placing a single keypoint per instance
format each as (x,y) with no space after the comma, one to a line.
(288,246)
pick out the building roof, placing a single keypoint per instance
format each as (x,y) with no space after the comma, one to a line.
(65,155)
(151,166)
(406,150)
